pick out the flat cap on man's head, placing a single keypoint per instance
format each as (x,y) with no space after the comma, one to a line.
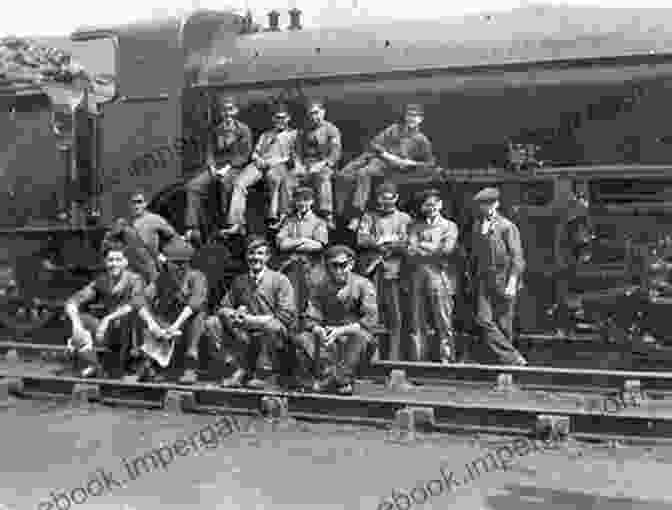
(179,252)
(487,195)
(339,250)
(254,242)
(281,110)
(316,103)
(387,188)
(304,193)
(227,103)
(426,194)
(414,109)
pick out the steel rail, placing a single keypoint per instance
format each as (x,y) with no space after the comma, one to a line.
(500,417)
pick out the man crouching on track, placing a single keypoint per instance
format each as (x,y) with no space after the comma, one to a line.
(341,312)
(121,293)
(182,295)
(255,319)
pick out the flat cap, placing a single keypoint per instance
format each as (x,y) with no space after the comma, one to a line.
(387,187)
(281,110)
(315,103)
(254,242)
(227,102)
(426,194)
(339,250)
(414,109)
(487,195)
(179,251)
(304,193)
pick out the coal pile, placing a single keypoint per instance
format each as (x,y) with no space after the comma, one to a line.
(23,60)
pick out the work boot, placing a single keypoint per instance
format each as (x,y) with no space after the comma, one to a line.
(190,375)
(447,352)
(236,380)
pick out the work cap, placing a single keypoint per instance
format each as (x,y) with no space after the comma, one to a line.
(414,109)
(426,194)
(339,251)
(487,195)
(314,104)
(227,103)
(254,242)
(281,110)
(179,252)
(304,193)
(387,188)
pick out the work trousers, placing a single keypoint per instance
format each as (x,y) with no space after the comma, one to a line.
(354,182)
(275,176)
(303,275)
(433,302)
(119,340)
(319,181)
(340,360)
(251,350)
(494,316)
(390,311)
(198,190)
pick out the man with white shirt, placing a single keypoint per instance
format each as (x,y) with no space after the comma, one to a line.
(497,264)
(270,160)
(432,249)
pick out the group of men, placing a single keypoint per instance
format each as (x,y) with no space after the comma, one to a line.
(300,311)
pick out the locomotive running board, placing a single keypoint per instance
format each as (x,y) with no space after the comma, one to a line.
(372,406)
(527,377)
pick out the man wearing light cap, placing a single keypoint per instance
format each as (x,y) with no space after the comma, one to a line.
(228,151)
(301,240)
(432,250)
(180,308)
(401,147)
(270,160)
(342,310)
(318,152)
(382,237)
(497,265)
(255,318)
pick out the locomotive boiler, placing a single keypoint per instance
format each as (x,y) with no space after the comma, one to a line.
(548,103)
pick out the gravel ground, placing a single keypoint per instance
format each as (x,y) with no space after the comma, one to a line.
(51,448)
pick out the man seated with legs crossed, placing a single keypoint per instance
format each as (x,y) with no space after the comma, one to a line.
(255,318)
(122,294)
(341,313)
(180,308)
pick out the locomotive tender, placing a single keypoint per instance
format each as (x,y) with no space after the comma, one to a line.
(577,92)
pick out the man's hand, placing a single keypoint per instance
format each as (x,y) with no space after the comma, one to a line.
(320,332)
(221,172)
(335,334)
(101,330)
(511,289)
(316,168)
(173,330)
(80,338)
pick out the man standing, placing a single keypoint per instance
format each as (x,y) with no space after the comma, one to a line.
(401,147)
(255,317)
(180,307)
(432,249)
(497,266)
(342,311)
(228,151)
(301,239)
(152,228)
(382,237)
(270,160)
(122,294)
(318,154)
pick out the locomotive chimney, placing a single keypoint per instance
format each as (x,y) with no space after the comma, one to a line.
(294,19)
(274,21)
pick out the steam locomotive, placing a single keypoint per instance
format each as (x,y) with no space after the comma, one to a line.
(545,102)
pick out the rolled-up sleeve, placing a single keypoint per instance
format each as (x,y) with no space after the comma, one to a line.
(368,303)
(321,233)
(424,151)
(512,237)
(449,240)
(198,291)
(334,145)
